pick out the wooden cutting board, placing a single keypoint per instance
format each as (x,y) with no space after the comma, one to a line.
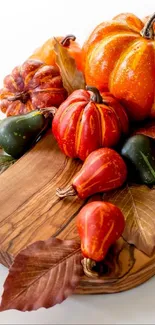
(30,211)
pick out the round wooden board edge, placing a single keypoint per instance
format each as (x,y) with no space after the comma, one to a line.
(90,286)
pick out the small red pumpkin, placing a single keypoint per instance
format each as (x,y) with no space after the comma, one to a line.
(86,121)
(30,86)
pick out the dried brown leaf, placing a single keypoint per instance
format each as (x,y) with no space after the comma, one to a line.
(137,203)
(72,78)
(42,275)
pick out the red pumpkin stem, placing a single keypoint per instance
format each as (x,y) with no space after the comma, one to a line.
(96,97)
(148,30)
(67,191)
(66,41)
(88,265)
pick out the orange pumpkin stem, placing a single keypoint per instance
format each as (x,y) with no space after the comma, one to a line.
(96,97)
(67,39)
(88,265)
(148,30)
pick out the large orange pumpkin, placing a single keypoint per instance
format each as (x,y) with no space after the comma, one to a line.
(120,56)
(46,52)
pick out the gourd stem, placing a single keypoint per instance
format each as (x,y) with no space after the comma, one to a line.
(67,39)
(148,30)
(67,191)
(46,111)
(96,97)
(88,265)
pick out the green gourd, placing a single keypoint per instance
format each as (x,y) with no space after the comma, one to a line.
(18,133)
(137,151)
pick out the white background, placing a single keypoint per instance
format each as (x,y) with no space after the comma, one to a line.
(24,25)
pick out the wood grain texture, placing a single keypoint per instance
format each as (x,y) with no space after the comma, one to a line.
(30,211)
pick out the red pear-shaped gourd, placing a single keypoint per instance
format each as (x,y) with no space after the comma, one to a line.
(103,170)
(99,225)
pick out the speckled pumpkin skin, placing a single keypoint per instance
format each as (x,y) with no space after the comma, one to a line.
(118,58)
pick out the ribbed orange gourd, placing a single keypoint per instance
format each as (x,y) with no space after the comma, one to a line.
(46,52)
(120,56)
(86,121)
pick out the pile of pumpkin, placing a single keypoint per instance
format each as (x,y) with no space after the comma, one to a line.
(115,85)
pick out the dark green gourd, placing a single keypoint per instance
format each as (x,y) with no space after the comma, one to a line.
(17,133)
(137,151)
